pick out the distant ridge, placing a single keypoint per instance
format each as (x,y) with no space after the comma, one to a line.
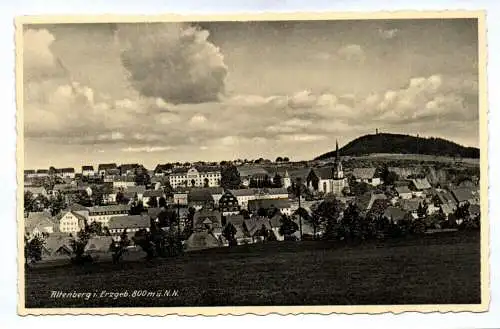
(402,144)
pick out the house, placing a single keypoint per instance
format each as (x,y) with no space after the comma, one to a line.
(395,214)
(200,198)
(196,176)
(103,169)
(88,171)
(57,246)
(283,205)
(148,195)
(209,221)
(98,244)
(405,172)
(67,173)
(202,240)
(39,222)
(411,205)
(464,195)
(36,191)
(71,222)
(41,173)
(254,226)
(102,214)
(123,181)
(365,201)
(328,180)
(181,196)
(128,169)
(237,221)
(245,195)
(163,169)
(252,173)
(228,204)
(29,173)
(129,223)
(366,175)
(421,186)
(403,192)
(138,191)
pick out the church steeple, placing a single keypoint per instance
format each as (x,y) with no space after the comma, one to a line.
(338,173)
(336,150)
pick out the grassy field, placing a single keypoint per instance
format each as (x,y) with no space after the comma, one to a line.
(437,269)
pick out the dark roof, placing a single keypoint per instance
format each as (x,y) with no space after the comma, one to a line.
(411,204)
(29,171)
(462,194)
(364,173)
(163,167)
(116,207)
(394,213)
(106,166)
(235,220)
(247,171)
(134,221)
(200,195)
(324,172)
(204,216)
(42,171)
(129,166)
(87,168)
(421,183)
(254,224)
(402,189)
(67,170)
(268,203)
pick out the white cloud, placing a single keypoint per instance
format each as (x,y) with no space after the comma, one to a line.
(198,120)
(148,149)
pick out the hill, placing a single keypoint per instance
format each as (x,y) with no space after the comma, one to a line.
(402,144)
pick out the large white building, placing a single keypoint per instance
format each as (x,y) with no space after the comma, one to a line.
(245,195)
(195,177)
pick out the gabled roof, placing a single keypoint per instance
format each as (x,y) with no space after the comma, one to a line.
(421,183)
(324,172)
(402,189)
(213,216)
(106,166)
(254,224)
(463,194)
(87,168)
(99,243)
(364,173)
(57,240)
(247,171)
(411,204)
(29,171)
(116,207)
(268,203)
(67,170)
(395,213)
(140,189)
(38,219)
(129,222)
(200,195)
(42,171)
(35,190)
(446,197)
(235,219)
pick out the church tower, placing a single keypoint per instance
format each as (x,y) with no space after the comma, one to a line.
(287,181)
(338,172)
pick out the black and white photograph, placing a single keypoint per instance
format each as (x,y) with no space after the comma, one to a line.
(299,163)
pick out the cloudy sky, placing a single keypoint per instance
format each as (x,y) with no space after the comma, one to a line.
(163,92)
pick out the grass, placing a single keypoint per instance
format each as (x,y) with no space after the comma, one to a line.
(436,269)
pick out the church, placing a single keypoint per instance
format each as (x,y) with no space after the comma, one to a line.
(328,180)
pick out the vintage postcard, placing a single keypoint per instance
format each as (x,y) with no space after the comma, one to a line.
(270,163)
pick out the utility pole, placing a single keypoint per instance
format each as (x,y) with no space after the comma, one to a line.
(300,216)
(178,218)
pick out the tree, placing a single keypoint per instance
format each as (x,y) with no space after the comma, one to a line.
(325,215)
(142,176)
(286,159)
(230,177)
(119,248)
(205,182)
(137,208)
(33,248)
(422,210)
(97,196)
(162,202)
(152,202)
(29,201)
(288,227)
(388,177)
(81,197)
(56,204)
(279,159)
(229,233)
